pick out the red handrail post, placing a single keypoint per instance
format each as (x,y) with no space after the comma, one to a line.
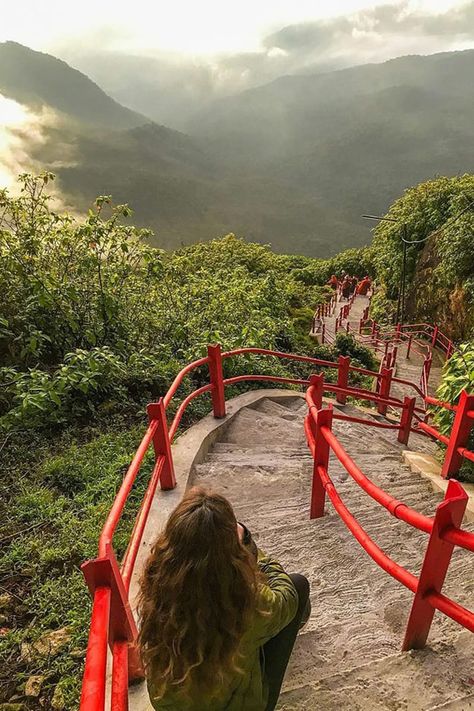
(316,389)
(323,333)
(361,323)
(406,419)
(410,339)
(217,380)
(435,335)
(459,435)
(343,377)
(161,444)
(449,514)
(321,460)
(117,626)
(93,684)
(398,331)
(384,391)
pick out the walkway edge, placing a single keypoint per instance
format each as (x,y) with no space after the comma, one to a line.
(429,468)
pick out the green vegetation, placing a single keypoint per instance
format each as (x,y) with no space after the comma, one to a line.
(95,323)
(439,216)
(458,375)
(440,265)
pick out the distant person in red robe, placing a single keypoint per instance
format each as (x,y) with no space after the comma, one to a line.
(333,283)
(364,286)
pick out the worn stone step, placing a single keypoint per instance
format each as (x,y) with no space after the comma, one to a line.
(414,681)
(359,612)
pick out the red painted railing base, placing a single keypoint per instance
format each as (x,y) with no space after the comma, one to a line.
(106,587)
(449,514)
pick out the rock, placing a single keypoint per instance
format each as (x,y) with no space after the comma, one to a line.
(51,643)
(12,707)
(33,685)
(58,701)
(78,653)
(48,645)
(5,601)
(26,653)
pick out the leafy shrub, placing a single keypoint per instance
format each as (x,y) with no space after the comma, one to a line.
(382,309)
(457,375)
(37,398)
(88,306)
(347,345)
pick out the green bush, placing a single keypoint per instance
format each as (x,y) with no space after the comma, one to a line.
(87,379)
(347,345)
(382,309)
(87,308)
(457,375)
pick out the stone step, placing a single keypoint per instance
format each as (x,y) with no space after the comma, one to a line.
(433,678)
(359,612)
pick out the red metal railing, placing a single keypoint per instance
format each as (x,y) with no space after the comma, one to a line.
(444,529)
(112,623)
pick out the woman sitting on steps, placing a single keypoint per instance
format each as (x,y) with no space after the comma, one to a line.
(218,618)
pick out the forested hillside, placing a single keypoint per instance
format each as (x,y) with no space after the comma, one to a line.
(38,79)
(439,218)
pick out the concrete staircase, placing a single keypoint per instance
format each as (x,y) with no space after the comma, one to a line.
(348,656)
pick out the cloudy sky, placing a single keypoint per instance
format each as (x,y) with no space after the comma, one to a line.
(161,58)
(209,27)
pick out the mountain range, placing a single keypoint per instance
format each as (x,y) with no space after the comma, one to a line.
(294,163)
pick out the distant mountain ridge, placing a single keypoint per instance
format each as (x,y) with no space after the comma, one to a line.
(35,78)
(294,163)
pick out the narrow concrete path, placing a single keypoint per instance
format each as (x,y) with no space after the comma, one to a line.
(348,656)
(405,368)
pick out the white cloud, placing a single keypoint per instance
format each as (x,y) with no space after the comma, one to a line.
(184,26)
(22,133)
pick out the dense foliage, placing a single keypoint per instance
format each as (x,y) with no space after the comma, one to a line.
(439,218)
(458,375)
(91,313)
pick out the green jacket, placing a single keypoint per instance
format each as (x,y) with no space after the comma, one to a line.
(247,691)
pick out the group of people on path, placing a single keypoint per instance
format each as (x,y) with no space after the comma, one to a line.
(349,285)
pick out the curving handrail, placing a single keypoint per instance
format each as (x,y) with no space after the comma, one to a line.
(444,528)
(111,621)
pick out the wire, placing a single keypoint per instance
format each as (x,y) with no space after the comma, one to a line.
(453,219)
